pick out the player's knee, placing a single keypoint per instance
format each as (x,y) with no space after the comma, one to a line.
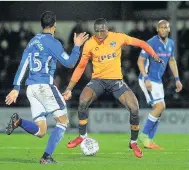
(65,122)
(134,115)
(62,120)
(41,133)
(134,110)
(42,128)
(164,106)
(161,106)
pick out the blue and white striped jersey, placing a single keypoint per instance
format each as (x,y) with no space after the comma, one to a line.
(40,56)
(154,69)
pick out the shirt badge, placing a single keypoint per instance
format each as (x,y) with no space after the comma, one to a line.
(113,44)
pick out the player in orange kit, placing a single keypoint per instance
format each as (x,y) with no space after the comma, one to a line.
(104,49)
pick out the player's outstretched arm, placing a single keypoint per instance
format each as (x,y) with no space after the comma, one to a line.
(142,44)
(141,66)
(56,50)
(78,41)
(146,47)
(140,63)
(174,70)
(78,72)
(69,61)
(21,70)
(12,96)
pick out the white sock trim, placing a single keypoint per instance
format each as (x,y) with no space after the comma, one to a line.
(152,118)
(84,136)
(37,132)
(133,141)
(62,126)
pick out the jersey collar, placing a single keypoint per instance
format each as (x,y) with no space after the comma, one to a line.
(47,33)
(165,44)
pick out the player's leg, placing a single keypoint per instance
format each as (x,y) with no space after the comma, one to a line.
(151,126)
(126,97)
(93,89)
(37,127)
(56,136)
(155,127)
(54,103)
(156,99)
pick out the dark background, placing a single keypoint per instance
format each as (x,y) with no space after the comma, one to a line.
(22,12)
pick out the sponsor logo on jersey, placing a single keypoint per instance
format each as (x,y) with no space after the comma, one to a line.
(106,57)
(164,54)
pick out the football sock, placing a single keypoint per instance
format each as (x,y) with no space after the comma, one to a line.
(150,122)
(134,122)
(82,129)
(133,141)
(83,116)
(154,129)
(84,136)
(29,126)
(55,137)
(134,132)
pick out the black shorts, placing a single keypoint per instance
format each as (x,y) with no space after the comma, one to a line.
(117,87)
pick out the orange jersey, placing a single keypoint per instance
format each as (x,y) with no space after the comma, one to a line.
(106,55)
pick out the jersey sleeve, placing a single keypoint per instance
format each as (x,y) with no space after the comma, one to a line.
(86,54)
(21,70)
(128,40)
(144,53)
(57,51)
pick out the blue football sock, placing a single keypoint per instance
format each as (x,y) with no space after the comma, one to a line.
(55,137)
(154,129)
(29,126)
(149,124)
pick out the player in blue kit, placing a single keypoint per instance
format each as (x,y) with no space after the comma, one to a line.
(40,56)
(150,80)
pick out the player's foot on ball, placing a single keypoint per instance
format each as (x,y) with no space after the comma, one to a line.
(13,123)
(75,142)
(136,150)
(145,141)
(155,146)
(48,160)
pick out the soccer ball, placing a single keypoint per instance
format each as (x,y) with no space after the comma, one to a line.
(89,147)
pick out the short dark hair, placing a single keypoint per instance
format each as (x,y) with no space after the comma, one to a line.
(48,19)
(100,21)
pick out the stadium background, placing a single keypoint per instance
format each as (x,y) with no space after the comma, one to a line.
(19,22)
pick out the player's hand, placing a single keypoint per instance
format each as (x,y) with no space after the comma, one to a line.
(178,86)
(67,94)
(159,60)
(148,85)
(11,97)
(80,39)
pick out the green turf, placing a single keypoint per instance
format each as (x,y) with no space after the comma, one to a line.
(22,151)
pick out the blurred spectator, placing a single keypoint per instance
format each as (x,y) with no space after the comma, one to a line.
(14,39)
(78,28)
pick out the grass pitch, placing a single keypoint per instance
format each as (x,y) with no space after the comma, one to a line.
(23,151)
